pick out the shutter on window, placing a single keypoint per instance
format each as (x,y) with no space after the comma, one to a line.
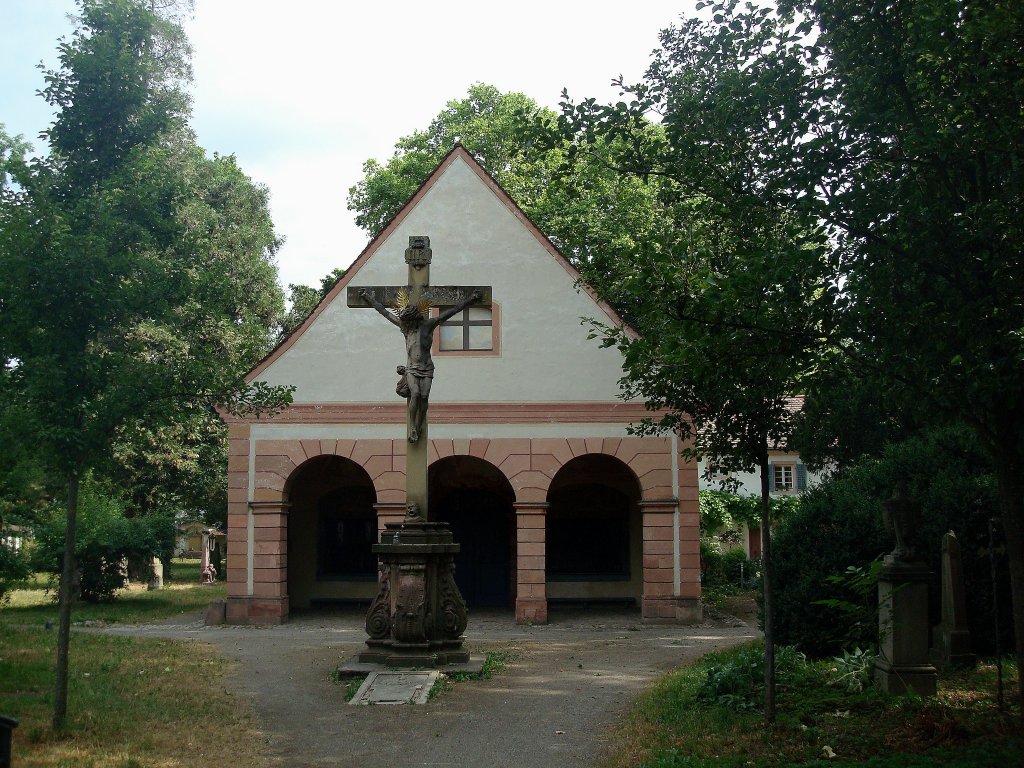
(771,478)
(801,477)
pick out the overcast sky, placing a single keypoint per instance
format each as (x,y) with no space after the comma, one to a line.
(305,91)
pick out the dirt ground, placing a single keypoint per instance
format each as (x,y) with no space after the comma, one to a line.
(552,707)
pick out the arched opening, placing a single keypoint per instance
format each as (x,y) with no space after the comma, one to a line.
(475,499)
(331,527)
(594,536)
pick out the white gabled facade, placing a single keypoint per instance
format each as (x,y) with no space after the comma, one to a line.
(529,440)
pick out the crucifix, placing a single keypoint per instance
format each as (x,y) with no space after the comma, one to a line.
(408,307)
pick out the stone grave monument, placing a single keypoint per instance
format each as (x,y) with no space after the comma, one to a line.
(903,663)
(951,640)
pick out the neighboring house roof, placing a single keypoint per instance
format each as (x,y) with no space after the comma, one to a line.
(457,153)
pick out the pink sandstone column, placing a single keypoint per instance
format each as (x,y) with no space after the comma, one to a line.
(665,600)
(268,603)
(238,523)
(531,573)
(388,512)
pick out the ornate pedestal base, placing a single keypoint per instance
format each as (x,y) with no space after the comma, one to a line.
(902,663)
(418,616)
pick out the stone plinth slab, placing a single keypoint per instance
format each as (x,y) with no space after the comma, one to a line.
(395,688)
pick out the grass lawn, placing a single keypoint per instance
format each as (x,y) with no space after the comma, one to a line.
(132,703)
(136,604)
(684,723)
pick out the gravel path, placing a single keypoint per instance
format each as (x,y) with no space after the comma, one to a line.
(552,707)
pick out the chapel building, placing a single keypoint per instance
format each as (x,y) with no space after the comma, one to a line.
(530,458)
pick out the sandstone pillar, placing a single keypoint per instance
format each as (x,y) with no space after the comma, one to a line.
(531,570)
(388,512)
(266,586)
(668,597)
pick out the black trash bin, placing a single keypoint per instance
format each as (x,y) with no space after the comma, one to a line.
(7,726)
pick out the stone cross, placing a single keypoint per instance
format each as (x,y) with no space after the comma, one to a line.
(407,307)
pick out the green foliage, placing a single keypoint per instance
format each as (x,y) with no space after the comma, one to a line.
(857,605)
(724,569)
(14,569)
(140,282)
(872,153)
(738,682)
(673,725)
(824,550)
(721,509)
(183,592)
(853,670)
(106,541)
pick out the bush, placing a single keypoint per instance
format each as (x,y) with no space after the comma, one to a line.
(737,681)
(719,569)
(105,541)
(839,524)
(14,569)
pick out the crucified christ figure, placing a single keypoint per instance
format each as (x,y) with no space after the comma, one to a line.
(418,372)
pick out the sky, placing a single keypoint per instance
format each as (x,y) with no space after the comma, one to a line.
(304,92)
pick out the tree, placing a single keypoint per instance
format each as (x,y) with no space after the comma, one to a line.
(138,272)
(720,352)
(926,210)
(896,128)
(732,320)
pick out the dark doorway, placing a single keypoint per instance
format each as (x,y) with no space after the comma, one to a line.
(479,524)
(594,534)
(331,527)
(475,499)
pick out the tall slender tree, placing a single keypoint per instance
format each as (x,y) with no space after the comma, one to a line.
(138,272)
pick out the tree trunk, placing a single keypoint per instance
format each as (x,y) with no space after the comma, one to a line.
(60,699)
(769,599)
(1011,507)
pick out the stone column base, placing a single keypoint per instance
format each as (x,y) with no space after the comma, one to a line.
(952,648)
(920,678)
(671,610)
(531,610)
(257,610)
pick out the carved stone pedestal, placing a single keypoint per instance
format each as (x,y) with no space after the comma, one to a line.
(418,616)
(903,662)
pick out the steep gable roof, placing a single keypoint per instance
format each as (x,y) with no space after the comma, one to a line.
(458,152)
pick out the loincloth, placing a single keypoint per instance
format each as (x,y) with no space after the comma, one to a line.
(420,371)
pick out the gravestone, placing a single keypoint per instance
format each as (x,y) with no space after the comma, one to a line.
(903,661)
(156,576)
(951,640)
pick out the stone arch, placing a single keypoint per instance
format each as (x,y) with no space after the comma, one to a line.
(476,499)
(331,527)
(594,531)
